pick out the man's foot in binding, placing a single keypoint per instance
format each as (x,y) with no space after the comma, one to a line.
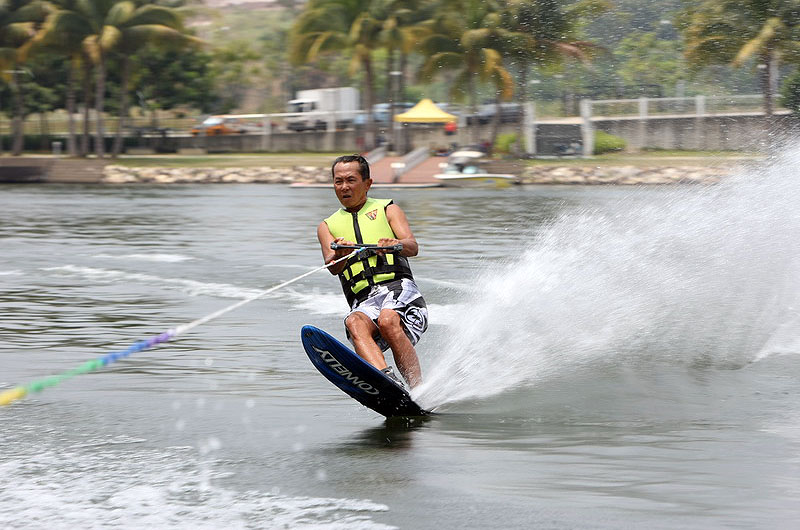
(389,372)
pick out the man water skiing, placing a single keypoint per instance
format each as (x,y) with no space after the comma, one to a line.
(386,308)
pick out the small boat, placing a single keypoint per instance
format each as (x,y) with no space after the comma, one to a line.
(463,169)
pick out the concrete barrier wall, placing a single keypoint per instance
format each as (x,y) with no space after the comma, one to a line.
(711,133)
(307,141)
(432,136)
(736,133)
(50,169)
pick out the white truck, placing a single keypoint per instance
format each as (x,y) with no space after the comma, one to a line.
(317,107)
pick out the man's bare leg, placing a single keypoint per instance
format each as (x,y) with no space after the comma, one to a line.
(361,329)
(405,356)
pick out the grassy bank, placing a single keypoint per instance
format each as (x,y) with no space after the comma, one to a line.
(279,160)
(273,160)
(655,159)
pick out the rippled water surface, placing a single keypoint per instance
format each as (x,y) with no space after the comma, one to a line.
(600,358)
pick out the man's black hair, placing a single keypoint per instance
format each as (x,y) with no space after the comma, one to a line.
(363,165)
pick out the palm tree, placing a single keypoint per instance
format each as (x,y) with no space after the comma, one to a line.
(18,22)
(148,24)
(335,26)
(401,29)
(104,26)
(728,31)
(49,40)
(544,33)
(465,37)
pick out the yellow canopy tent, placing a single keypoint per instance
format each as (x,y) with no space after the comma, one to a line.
(425,111)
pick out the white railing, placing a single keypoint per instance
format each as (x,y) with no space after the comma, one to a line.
(413,159)
(643,108)
(409,162)
(376,155)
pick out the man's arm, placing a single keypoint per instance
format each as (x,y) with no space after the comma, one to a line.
(325,239)
(399,223)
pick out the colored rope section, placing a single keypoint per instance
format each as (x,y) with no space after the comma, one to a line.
(9,396)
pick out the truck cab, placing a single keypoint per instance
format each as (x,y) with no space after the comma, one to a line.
(302,105)
(304,123)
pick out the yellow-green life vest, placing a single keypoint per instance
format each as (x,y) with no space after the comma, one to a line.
(367,226)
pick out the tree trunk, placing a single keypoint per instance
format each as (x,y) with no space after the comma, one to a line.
(44,131)
(473,105)
(99,102)
(123,106)
(766,81)
(522,96)
(389,92)
(87,104)
(495,122)
(369,89)
(400,129)
(16,125)
(401,85)
(72,147)
(772,76)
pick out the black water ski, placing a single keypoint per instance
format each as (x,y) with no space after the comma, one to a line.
(356,377)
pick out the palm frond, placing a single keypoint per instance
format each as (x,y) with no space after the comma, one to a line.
(760,42)
(439,62)
(154,15)
(109,38)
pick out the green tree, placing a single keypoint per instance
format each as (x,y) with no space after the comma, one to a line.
(544,34)
(18,22)
(48,43)
(169,79)
(613,25)
(340,26)
(790,93)
(104,26)
(465,37)
(44,90)
(646,59)
(234,67)
(733,32)
(401,30)
(138,27)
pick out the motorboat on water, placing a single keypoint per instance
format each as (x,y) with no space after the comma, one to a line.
(464,169)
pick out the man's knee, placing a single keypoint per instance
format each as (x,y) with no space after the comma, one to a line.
(359,325)
(389,323)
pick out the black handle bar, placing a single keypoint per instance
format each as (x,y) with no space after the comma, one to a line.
(369,248)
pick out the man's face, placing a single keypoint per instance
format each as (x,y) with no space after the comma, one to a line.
(351,189)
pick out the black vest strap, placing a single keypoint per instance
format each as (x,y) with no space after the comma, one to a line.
(400,268)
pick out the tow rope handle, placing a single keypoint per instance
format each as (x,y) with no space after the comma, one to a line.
(367,250)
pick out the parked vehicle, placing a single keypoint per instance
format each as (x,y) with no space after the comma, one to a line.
(222,124)
(509,113)
(382,112)
(451,108)
(313,108)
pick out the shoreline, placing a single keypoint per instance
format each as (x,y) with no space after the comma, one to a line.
(532,175)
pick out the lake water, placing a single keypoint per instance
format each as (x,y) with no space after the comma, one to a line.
(600,357)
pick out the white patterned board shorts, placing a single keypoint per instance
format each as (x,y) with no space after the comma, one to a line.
(401,296)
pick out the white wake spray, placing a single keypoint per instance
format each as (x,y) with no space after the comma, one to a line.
(693,275)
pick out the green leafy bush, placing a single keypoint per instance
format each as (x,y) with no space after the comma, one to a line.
(505,142)
(607,143)
(791,93)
